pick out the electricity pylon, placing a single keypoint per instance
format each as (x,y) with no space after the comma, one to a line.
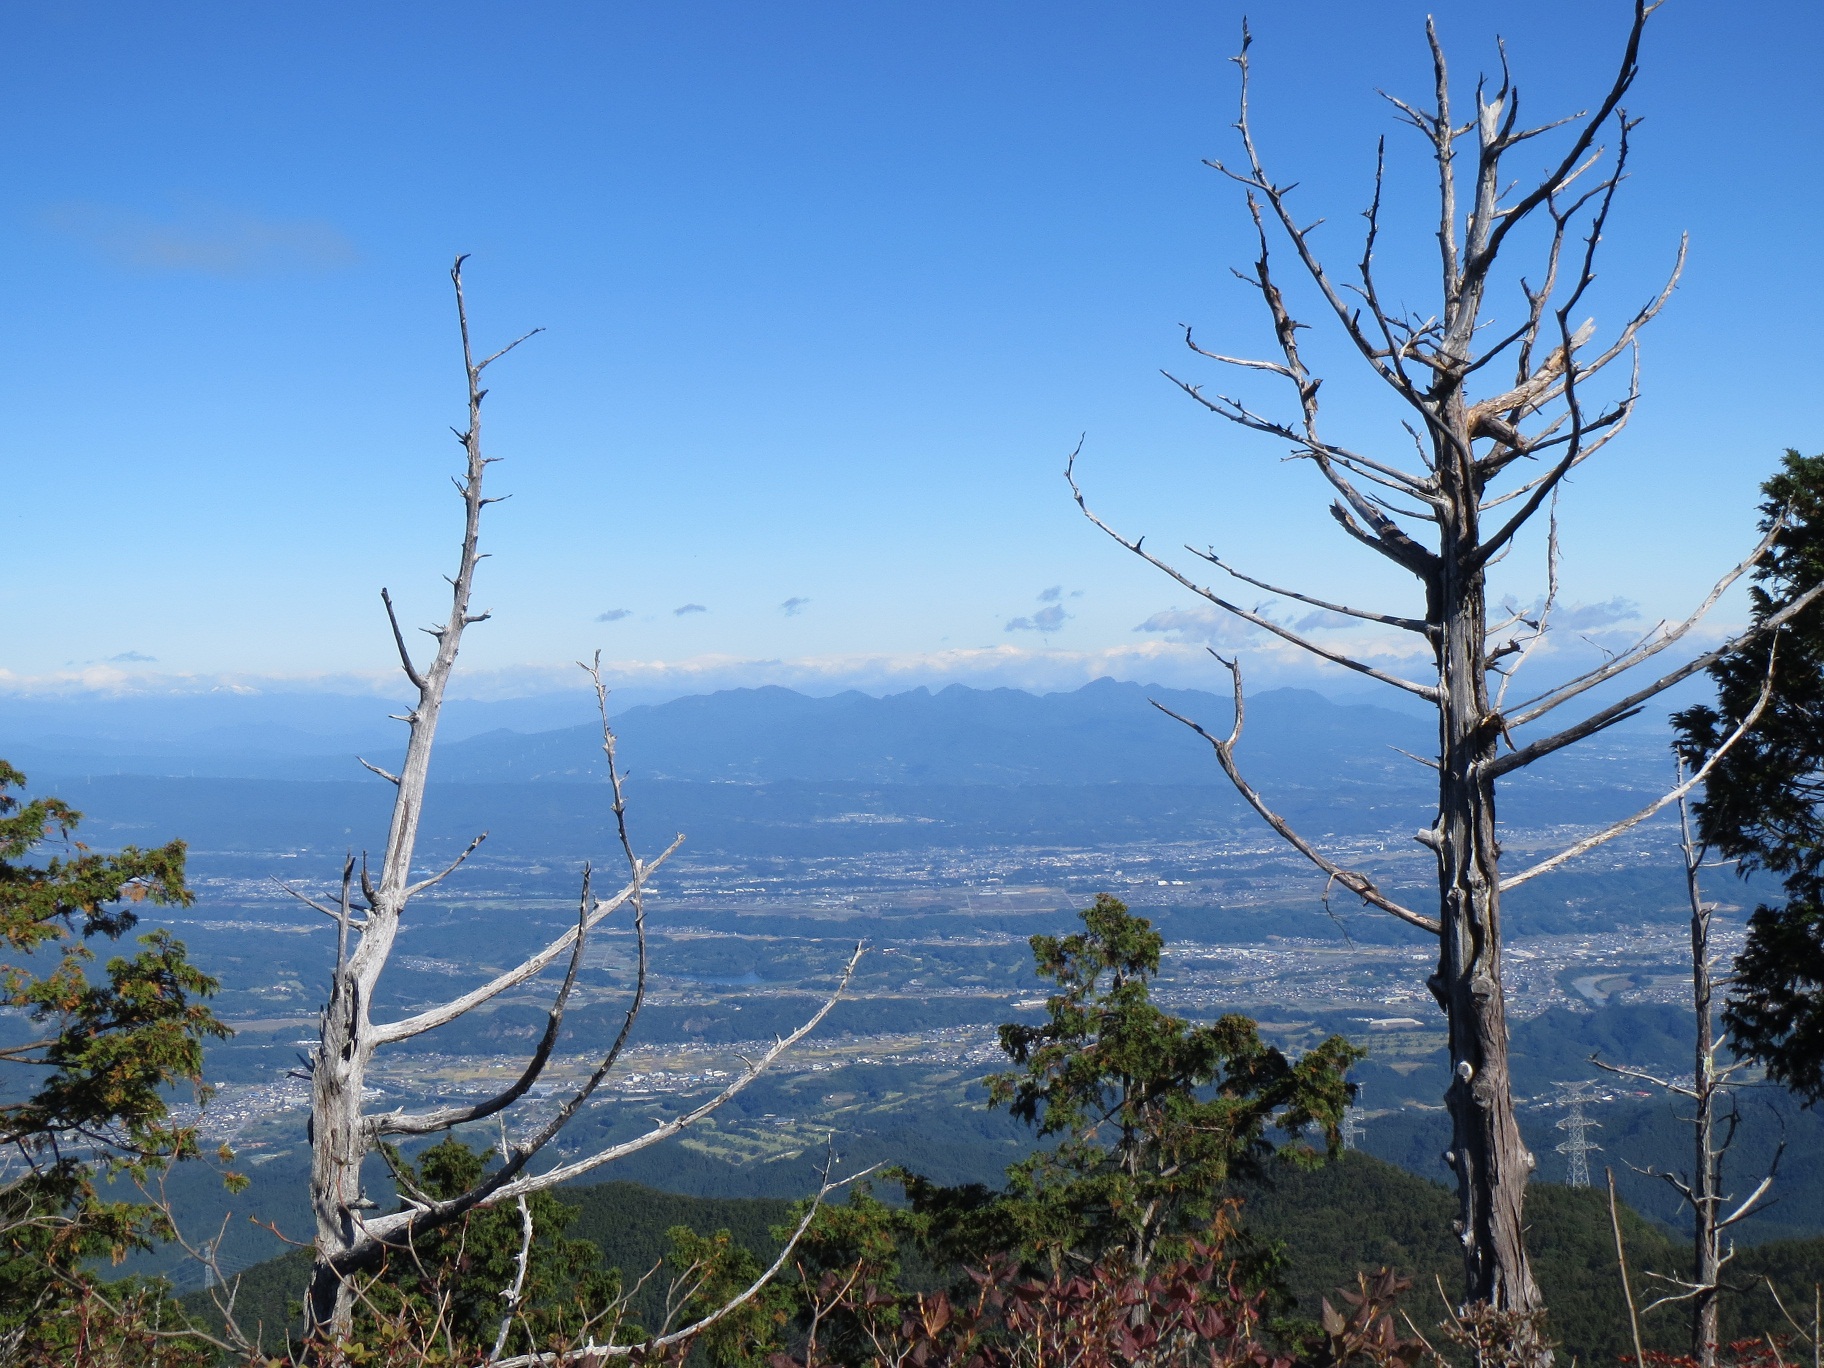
(1576,1149)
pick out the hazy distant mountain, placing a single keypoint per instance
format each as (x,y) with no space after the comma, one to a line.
(1342,756)
(1103,732)
(225,734)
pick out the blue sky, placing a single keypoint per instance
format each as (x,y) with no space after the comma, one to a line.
(830,288)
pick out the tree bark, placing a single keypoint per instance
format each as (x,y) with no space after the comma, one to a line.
(1487,1152)
(1550,419)
(336,1151)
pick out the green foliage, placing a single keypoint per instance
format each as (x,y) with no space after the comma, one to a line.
(1333,1221)
(1764,801)
(91,1058)
(1794,1269)
(448,1287)
(1153,1116)
(708,1272)
(861,1265)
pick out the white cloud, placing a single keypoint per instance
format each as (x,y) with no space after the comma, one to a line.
(1211,626)
(1323,619)
(1584,616)
(1174,656)
(1009,665)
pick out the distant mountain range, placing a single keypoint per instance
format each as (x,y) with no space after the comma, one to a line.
(1345,754)
(1102,732)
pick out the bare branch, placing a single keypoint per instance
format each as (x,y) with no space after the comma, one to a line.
(1308,446)
(1805,1336)
(1500,415)
(1358,884)
(1483,258)
(483,365)
(514,1290)
(1753,1199)
(309,901)
(405,656)
(426,1123)
(1640,1075)
(448,869)
(1406,624)
(1630,705)
(598,1352)
(1651,644)
(1543,622)
(1257,180)
(1424,691)
(405,1029)
(387,775)
(1621,1258)
(1396,351)
(1659,804)
(1575,455)
(505,1182)
(1245,363)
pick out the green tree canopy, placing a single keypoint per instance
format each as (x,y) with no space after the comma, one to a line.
(1153,1116)
(447,1289)
(90,1054)
(1764,801)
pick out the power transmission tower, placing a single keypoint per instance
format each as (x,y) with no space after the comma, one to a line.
(1353,1116)
(1577,1148)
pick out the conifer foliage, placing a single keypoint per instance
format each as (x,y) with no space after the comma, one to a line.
(90,1054)
(1764,800)
(1155,1116)
(446,1289)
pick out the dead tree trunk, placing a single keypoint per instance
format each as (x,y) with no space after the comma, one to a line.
(350,1236)
(1707,1200)
(1711,1085)
(1439,522)
(1487,1154)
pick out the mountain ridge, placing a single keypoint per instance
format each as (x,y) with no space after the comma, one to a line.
(958,734)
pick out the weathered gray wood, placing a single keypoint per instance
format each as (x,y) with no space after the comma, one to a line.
(349,1236)
(1544,414)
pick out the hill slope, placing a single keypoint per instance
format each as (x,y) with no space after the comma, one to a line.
(1358,1213)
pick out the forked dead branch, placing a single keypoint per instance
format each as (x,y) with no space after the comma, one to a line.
(1714,1213)
(1443,520)
(351,1237)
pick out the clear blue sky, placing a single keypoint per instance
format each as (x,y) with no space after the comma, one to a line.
(831,289)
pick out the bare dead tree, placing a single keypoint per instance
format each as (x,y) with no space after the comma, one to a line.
(1714,1131)
(1436,519)
(349,1239)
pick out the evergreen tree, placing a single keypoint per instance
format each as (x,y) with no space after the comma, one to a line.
(448,1287)
(90,1056)
(1154,1117)
(1764,801)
